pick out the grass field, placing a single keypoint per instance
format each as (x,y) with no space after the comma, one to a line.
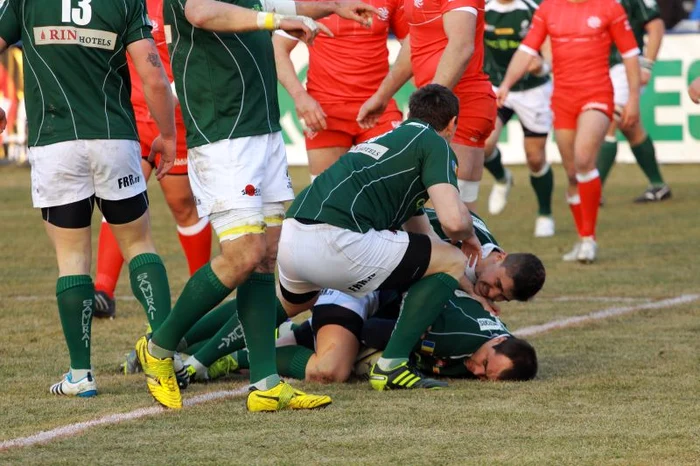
(622,390)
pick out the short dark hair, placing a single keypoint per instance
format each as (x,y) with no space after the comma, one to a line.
(523,356)
(434,104)
(527,272)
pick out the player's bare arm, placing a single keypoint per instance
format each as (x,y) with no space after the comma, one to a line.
(309,111)
(460,27)
(655,30)
(223,17)
(352,10)
(453,215)
(398,75)
(517,68)
(159,98)
(630,114)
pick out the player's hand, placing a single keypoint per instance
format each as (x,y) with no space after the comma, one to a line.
(167,149)
(630,114)
(471,247)
(357,11)
(644,76)
(310,113)
(694,90)
(371,111)
(3,120)
(502,95)
(303,28)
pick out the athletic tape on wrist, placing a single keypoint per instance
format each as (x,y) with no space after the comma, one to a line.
(646,63)
(468,190)
(269,21)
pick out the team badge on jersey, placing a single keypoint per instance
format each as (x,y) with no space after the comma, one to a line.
(383,14)
(427,346)
(594,22)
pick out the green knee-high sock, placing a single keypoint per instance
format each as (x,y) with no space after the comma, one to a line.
(149,283)
(542,183)
(606,157)
(646,158)
(256,311)
(210,324)
(495,166)
(202,292)
(76,302)
(421,307)
(193,348)
(241,357)
(230,337)
(292,361)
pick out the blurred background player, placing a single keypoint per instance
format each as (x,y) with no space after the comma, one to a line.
(643,16)
(446,47)
(507,23)
(694,90)
(344,71)
(84,149)
(580,32)
(194,233)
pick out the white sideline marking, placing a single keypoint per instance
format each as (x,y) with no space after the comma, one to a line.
(603,314)
(76,428)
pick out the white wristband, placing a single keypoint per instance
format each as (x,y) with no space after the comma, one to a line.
(646,63)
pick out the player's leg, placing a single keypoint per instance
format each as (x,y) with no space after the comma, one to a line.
(643,150)
(336,351)
(325,147)
(591,129)
(322,158)
(62,187)
(493,163)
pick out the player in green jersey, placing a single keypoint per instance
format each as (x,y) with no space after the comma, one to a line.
(223,64)
(645,19)
(342,232)
(83,148)
(507,23)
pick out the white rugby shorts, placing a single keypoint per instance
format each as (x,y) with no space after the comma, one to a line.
(532,106)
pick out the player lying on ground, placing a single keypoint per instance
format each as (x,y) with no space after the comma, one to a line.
(645,19)
(83,148)
(581,32)
(344,71)
(507,23)
(239,177)
(194,233)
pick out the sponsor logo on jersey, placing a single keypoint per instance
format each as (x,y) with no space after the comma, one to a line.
(594,22)
(250,190)
(373,150)
(418,3)
(168,34)
(360,284)
(69,35)
(126,181)
(427,346)
(504,31)
(524,28)
(488,324)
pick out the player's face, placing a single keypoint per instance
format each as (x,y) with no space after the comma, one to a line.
(486,364)
(494,283)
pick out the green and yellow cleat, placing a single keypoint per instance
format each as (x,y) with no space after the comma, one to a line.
(403,376)
(160,376)
(284,396)
(222,366)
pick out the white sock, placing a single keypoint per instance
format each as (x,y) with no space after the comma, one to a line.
(78,374)
(158,352)
(386,364)
(201,369)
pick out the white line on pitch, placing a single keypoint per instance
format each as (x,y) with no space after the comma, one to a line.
(73,429)
(604,314)
(76,428)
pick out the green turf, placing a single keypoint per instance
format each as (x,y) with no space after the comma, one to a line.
(619,391)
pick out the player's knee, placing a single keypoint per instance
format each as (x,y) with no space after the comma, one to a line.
(241,234)
(327,373)
(183,208)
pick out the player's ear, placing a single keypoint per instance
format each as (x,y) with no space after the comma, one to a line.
(500,256)
(453,125)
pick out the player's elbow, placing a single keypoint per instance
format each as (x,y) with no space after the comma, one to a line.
(455,226)
(196,13)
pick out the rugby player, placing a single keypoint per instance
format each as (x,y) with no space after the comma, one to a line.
(694,90)
(581,32)
(644,18)
(343,72)
(446,46)
(223,64)
(194,233)
(507,23)
(83,149)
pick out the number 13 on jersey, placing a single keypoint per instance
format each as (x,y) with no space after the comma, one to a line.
(80,16)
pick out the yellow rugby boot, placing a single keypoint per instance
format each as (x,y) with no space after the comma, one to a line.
(160,376)
(284,396)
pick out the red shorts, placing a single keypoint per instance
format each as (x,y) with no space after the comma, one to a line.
(477,118)
(342,129)
(566,107)
(148,131)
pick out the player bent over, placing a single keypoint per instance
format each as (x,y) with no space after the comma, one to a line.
(84,150)
(238,172)
(582,101)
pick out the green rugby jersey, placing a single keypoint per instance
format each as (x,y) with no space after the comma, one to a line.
(462,327)
(226,83)
(380,183)
(507,25)
(76,79)
(639,13)
(482,231)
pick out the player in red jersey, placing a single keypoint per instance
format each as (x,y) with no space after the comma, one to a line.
(344,71)
(446,47)
(194,233)
(581,32)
